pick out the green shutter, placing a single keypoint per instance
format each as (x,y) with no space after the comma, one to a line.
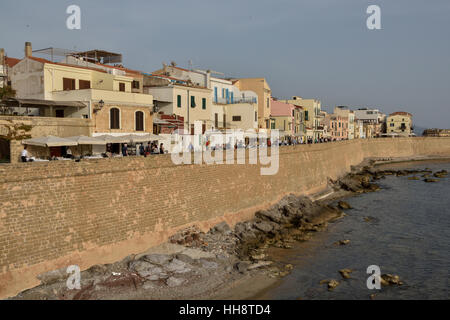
(204,103)
(192,101)
(178,101)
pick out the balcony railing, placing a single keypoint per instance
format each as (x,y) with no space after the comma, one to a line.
(235,100)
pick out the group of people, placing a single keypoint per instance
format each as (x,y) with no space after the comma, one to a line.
(151,148)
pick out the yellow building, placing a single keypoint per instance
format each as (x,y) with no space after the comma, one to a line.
(312,115)
(262,89)
(399,123)
(106,92)
(175,97)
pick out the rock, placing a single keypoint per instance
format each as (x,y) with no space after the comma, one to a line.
(440,174)
(264,226)
(149,285)
(185,258)
(389,279)
(260,264)
(342,242)
(209,264)
(222,227)
(330,283)
(258,256)
(431,180)
(159,259)
(178,266)
(53,276)
(344,205)
(345,273)
(289,267)
(414,178)
(242,266)
(175,282)
(146,269)
(271,215)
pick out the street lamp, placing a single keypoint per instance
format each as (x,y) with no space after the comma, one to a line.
(99,106)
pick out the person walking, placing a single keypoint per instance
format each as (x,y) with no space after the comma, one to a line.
(24,154)
(161,149)
(125,150)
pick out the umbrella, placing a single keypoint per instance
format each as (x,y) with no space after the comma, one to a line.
(49,141)
(81,140)
(143,138)
(114,139)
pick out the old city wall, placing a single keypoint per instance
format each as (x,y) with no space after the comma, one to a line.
(57,214)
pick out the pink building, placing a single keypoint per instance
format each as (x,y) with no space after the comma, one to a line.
(337,126)
(282,116)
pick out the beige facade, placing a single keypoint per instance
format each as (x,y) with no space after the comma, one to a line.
(312,116)
(14,129)
(399,123)
(262,89)
(345,112)
(192,103)
(101,91)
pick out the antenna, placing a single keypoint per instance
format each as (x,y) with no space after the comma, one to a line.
(190,64)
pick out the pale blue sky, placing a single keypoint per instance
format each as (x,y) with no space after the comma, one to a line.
(311,48)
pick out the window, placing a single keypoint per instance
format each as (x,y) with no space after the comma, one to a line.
(84,84)
(59,113)
(306,116)
(268,102)
(139,115)
(114,118)
(68,84)
(215,94)
(216,120)
(192,101)
(256,116)
(236,118)
(224,120)
(135,84)
(121,86)
(179,101)
(204,103)
(392,124)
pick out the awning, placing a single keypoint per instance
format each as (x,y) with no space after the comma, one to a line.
(36,102)
(49,141)
(84,140)
(114,139)
(143,138)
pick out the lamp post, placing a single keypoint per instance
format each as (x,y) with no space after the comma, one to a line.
(99,106)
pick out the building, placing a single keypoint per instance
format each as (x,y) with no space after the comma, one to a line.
(399,123)
(373,120)
(436,133)
(106,93)
(6,64)
(264,94)
(177,97)
(337,126)
(345,112)
(283,118)
(231,108)
(312,116)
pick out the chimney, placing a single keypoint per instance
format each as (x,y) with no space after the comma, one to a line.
(208,79)
(2,56)
(28,49)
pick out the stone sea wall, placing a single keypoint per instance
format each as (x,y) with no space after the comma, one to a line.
(57,214)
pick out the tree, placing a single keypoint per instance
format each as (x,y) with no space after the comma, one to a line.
(7,92)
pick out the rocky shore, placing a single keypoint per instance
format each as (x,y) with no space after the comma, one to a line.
(197,265)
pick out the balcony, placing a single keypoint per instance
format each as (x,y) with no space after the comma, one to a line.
(235,100)
(108,96)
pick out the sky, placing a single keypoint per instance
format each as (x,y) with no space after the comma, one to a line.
(312,48)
